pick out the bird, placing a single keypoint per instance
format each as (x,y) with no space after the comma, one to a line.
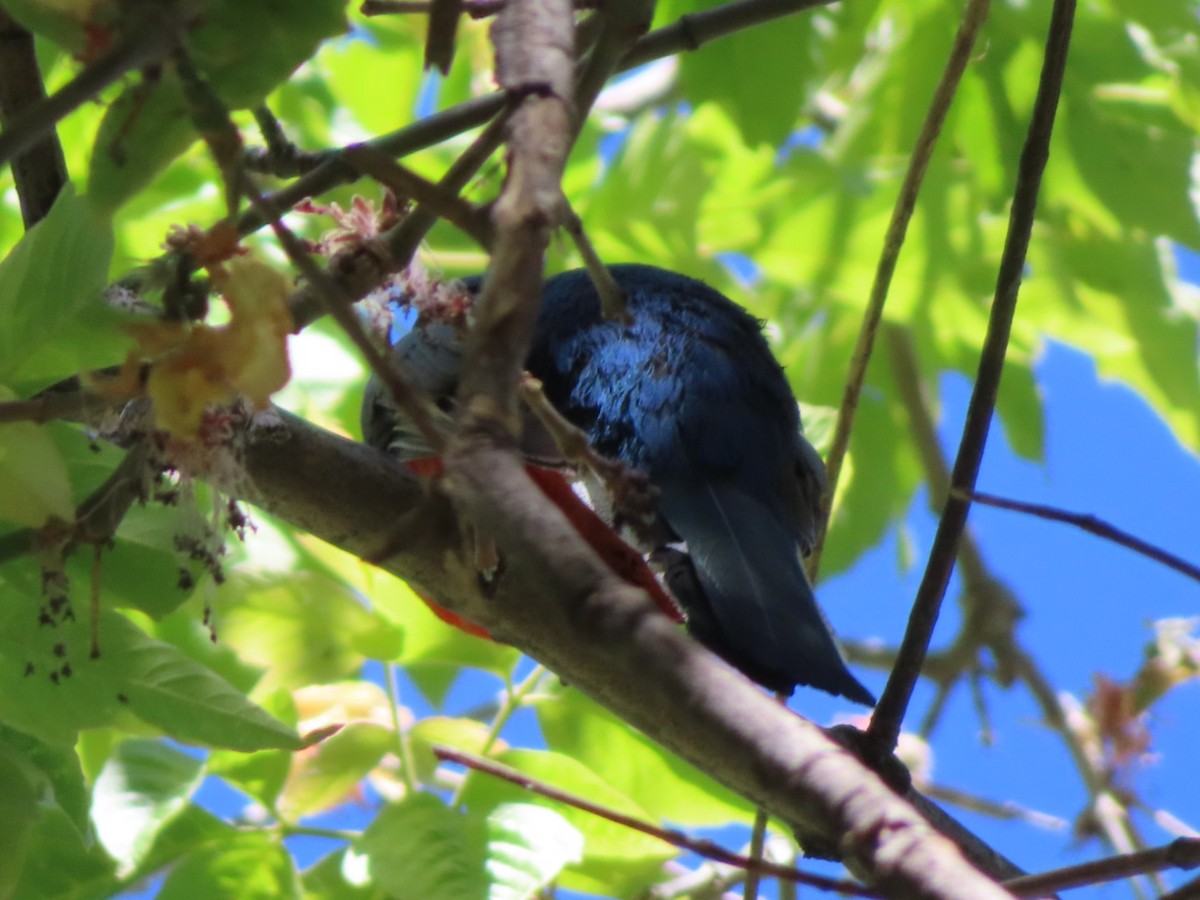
(685,390)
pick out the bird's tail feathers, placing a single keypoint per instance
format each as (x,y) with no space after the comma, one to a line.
(756,597)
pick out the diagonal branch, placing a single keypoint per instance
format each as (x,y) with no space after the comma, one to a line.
(1092,525)
(707,849)
(885,723)
(151,37)
(943,95)
(563,607)
(689,33)
(41,171)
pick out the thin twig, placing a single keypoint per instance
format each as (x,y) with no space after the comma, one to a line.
(404,182)
(1005,811)
(280,157)
(692,31)
(151,37)
(1183,853)
(223,138)
(440,33)
(51,406)
(943,95)
(416,405)
(403,749)
(612,298)
(1093,525)
(707,849)
(476,9)
(758,841)
(889,713)
(1188,891)
(514,699)
(687,34)
(633,497)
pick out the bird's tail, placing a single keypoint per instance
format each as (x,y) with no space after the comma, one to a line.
(750,600)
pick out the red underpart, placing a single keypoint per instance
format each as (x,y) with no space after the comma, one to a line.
(616,554)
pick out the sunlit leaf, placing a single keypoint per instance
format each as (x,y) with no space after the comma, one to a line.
(629,762)
(527,847)
(150,124)
(250,866)
(55,322)
(605,843)
(34,482)
(142,787)
(422,848)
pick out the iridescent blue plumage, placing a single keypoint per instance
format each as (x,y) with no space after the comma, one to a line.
(690,394)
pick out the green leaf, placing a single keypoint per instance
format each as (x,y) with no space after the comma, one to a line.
(58,22)
(186,700)
(326,774)
(420,848)
(877,485)
(632,764)
(186,629)
(262,774)
(1118,300)
(151,123)
(55,323)
(63,864)
(247,866)
(192,829)
(527,848)
(338,877)
(60,779)
(143,567)
(374,79)
(299,628)
(45,663)
(40,657)
(34,484)
(18,815)
(1117,141)
(433,652)
(143,786)
(607,844)
(734,70)
(467,735)
(1020,408)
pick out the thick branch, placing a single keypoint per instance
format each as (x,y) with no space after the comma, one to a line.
(559,604)
(41,171)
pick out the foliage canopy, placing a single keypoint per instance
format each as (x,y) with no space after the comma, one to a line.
(767,163)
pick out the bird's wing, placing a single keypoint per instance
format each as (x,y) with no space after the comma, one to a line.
(754,588)
(431,356)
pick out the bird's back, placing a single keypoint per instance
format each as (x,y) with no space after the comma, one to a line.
(689,393)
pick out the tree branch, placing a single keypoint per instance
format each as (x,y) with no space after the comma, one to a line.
(152,35)
(689,33)
(885,723)
(1183,853)
(41,171)
(943,95)
(1092,525)
(563,607)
